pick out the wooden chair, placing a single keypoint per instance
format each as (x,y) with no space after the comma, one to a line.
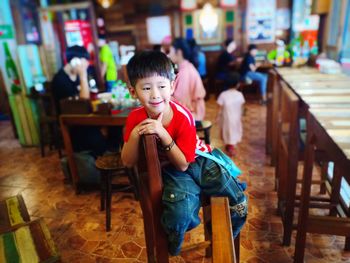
(287,159)
(75,106)
(288,156)
(274,105)
(110,165)
(337,222)
(150,190)
(48,121)
(269,110)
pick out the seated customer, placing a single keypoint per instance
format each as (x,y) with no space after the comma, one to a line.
(225,62)
(248,70)
(72,81)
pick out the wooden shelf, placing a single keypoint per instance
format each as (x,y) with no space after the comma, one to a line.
(119,28)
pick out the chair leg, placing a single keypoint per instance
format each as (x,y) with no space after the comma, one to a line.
(237,244)
(42,143)
(324,171)
(287,232)
(133,181)
(57,141)
(108,200)
(207,136)
(207,231)
(347,244)
(102,191)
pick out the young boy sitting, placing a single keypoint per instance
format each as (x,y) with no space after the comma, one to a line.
(151,76)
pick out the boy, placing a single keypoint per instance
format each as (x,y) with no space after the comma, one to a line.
(151,76)
(248,69)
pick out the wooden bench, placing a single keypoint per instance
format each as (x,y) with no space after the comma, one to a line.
(13,212)
(331,140)
(150,189)
(23,240)
(288,157)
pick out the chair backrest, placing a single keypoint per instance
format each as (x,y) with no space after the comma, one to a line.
(150,189)
(273,85)
(45,101)
(288,141)
(75,106)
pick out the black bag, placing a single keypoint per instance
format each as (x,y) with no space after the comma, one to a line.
(87,171)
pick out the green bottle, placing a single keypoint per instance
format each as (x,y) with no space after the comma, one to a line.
(11,71)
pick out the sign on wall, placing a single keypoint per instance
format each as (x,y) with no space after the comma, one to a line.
(155,32)
(261,21)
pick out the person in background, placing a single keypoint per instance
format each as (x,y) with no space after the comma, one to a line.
(189,89)
(229,116)
(248,70)
(151,76)
(225,63)
(166,44)
(108,66)
(157,47)
(198,58)
(72,81)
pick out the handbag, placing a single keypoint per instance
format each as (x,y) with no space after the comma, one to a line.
(221,158)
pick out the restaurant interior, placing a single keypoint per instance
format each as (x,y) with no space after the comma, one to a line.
(267,84)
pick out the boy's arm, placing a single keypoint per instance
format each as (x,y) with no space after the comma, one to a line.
(252,67)
(130,151)
(174,154)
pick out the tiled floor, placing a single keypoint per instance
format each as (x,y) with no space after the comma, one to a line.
(77,225)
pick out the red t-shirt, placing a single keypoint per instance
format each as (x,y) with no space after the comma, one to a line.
(181,128)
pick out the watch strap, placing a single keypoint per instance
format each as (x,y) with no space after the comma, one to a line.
(169,146)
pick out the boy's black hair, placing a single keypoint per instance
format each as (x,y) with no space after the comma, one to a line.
(147,64)
(228,41)
(76,52)
(183,45)
(251,47)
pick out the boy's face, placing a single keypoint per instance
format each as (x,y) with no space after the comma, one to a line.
(154,94)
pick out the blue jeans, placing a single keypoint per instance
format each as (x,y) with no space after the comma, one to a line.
(261,78)
(181,198)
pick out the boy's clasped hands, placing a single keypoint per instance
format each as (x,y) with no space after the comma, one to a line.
(152,126)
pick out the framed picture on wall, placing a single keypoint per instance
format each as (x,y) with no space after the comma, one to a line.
(261,21)
(30,22)
(208,26)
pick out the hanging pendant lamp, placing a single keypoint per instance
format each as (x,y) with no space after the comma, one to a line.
(105,3)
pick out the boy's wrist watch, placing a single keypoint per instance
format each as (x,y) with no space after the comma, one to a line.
(169,146)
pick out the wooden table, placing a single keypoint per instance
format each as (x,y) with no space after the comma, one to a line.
(68,120)
(325,99)
(304,82)
(333,136)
